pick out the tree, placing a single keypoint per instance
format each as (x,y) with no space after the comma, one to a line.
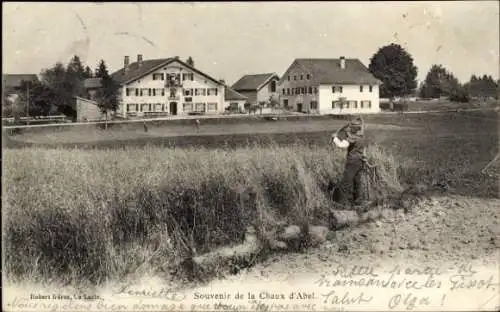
(75,73)
(393,65)
(107,95)
(88,72)
(440,82)
(190,61)
(61,89)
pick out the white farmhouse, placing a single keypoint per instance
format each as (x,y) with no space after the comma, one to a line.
(330,86)
(167,87)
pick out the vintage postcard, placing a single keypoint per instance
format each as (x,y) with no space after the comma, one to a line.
(250,156)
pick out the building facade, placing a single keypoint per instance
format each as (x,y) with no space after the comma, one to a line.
(329,86)
(166,87)
(259,88)
(235,101)
(87,110)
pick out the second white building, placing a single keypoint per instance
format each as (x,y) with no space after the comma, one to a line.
(329,86)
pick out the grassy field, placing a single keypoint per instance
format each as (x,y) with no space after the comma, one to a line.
(118,210)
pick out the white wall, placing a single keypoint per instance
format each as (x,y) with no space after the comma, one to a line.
(241,104)
(147,81)
(265,93)
(351,93)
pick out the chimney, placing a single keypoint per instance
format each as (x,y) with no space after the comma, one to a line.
(126,62)
(139,59)
(222,81)
(342,62)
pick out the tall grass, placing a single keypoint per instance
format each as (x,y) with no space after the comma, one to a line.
(99,214)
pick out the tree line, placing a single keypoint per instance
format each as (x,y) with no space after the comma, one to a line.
(56,89)
(394,66)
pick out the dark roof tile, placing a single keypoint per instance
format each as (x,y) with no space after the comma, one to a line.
(252,82)
(328,71)
(230,94)
(14,80)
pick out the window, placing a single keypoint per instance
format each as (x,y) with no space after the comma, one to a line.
(187,76)
(200,107)
(136,107)
(173,80)
(149,107)
(355,105)
(162,92)
(128,91)
(131,107)
(154,92)
(333,89)
(315,89)
(287,91)
(346,104)
(188,92)
(336,104)
(301,77)
(360,88)
(310,90)
(288,78)
(285,102)
(144,91)
(188,99)
(341,89)
(158,107)
(314,105)
(308,76)
(172,93)
(370,88)
(200,91)
(362,104)
(294,77)
(283,91)
(187,107)
(273,86)
(162,107)
(158,77)
(136,92)
(149,92)
(211,91)
(366,104)
(293,91)
(211,107)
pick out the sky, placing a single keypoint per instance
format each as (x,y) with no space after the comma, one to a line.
(230,39)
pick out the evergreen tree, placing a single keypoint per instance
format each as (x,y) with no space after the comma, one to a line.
(107,95)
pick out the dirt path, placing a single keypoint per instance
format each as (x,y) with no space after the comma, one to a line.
(444,255)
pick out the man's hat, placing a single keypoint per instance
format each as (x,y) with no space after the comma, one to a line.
(356,121)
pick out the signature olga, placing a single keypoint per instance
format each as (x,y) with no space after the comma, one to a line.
(163,292)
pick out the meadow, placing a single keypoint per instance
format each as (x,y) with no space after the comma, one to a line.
(107,211)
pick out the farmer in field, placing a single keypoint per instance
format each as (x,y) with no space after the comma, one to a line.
(351,136)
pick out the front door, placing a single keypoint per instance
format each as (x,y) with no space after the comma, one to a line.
(173,108)
(299,107)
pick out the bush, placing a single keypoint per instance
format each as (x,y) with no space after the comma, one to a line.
(91,215)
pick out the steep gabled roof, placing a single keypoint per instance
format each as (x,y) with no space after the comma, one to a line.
(135,71)
(328,71)
(232,95)
(14,80)
(253,82)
